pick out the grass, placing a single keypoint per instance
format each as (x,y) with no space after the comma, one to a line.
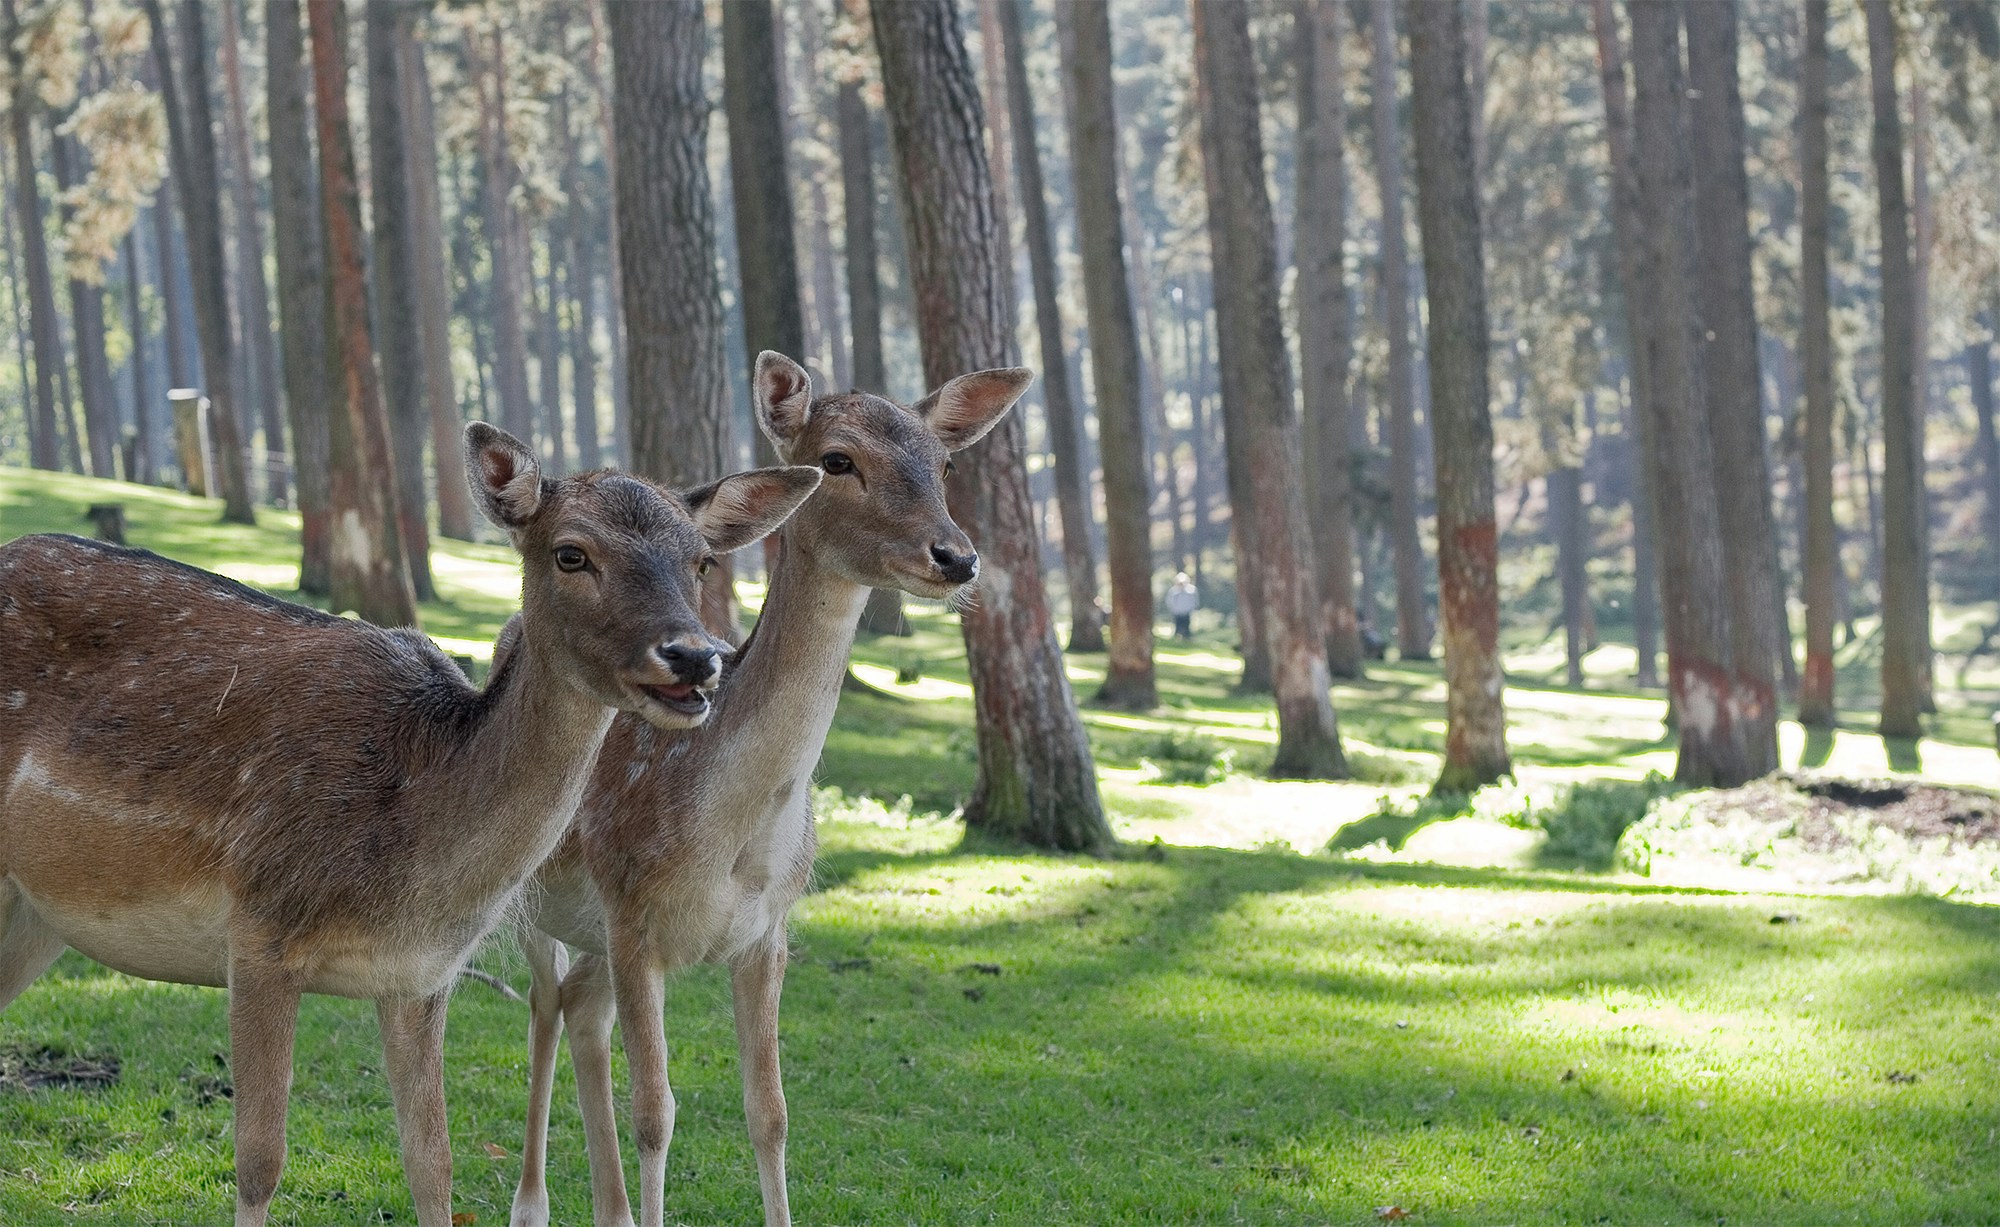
(1222,1034)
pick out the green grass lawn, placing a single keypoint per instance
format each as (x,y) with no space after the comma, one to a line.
(1225,1034)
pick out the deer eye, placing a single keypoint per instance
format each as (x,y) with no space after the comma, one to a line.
(837,463)
(702,568)
(949,468)
(570,558)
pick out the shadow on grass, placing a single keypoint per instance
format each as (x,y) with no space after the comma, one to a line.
(1818,748)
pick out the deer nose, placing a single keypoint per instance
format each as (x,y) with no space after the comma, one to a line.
(689,664)
(956,567)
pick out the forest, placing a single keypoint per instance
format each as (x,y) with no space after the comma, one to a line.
(1489,463)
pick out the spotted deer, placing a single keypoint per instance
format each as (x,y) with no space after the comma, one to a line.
(202,784)
(691,847)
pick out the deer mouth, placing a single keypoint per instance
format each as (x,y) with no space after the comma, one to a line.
(685,698)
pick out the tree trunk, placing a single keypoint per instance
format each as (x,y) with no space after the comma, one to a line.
(1693,578)
(191,144)
(1413,626)
(1461,417)
(297,227)
(1114,353)
(1036,779)
(175,290)
(1979,373)
(580,252)
(1923,234)
(1325,322)
(433,284)
(672,297)
(1625,224)
(43,433)
(1822,542)
(508,291)
(144,465)
(1064,422)
(819,218)
(401,333)
(86,301)
(1734,383)
(1905,577)
(546,303)
(1572,561)
(615,324)
(1257,393)
(370,575)
(262,387)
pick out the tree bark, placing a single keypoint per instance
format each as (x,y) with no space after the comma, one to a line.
(297,228)
(1979,373)
(1734,384)
(396,258)
(580,253)
(1326,326)
(433,285)
(1905,575)
(370,575)
(44,450)
(263,385)
(1693,578)
(191,145)
(175,290)
(819,215)
(1059,402)
(621,399)
(666,243)
(1114,353)
(1413,625)
(767,257)
(507,294)
(546,303)
(1475,752)
(86,301)
(1036,780)
(1822,542)
(1625,224)
(144,468)
(1257,393)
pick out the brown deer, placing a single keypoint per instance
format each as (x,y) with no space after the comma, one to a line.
(692,847)
(202,784)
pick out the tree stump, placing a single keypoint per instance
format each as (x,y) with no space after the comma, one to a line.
(110,521)
(190,439)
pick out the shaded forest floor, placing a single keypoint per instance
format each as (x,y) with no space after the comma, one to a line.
(1478,1012)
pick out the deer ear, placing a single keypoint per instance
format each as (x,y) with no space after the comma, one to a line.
(781,394)
(745,507)
(503,475)
(963,410)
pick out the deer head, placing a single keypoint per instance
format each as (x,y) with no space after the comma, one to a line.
(880,519)
(611,567)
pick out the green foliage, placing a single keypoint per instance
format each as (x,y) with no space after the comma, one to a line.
(1180,757)
(1587,820)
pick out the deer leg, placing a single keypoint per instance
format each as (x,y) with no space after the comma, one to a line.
(638,981)
(545,1021)
(263,1017)
(27,945)
(755,982)
(413,1048)
(589,1009)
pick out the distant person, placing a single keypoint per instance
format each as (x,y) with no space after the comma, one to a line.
(1182,600)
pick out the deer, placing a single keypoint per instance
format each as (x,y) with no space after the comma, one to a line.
(691,847)
(203,784)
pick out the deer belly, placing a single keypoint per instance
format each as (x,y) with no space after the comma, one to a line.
(181,940)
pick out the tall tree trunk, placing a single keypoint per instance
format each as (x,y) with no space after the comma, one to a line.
(44,437)
(1693,582)
(767,257)
(86,301)
(1036,779)
(1326,326)
(400,347)
(1732,389)
(819,219)
(666,223)
(1923,237)
(1905,577)
(1475,750)
(1822,541)
(175,290)
(580,251)
(1114,353)
(1626,226)
(21,342)
(547,306)
(433,282)
(370,575)
(297,228)
(1979,373)
(1059,403)
(256,307)
(191,144)
(508,291)
(615,324)
(1413,625)
(1257,392)
(143,462)
(1572,559)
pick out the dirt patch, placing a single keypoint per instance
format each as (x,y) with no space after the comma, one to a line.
(40,1068)
(1825,810)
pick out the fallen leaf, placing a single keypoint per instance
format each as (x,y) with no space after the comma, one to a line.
(464,1218)
(495,1151)
(1391,1214)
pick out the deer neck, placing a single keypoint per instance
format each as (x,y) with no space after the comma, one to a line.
(778,701)
(515,784)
